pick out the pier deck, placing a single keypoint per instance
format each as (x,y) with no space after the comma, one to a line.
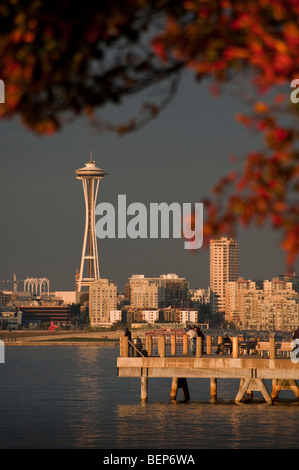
(251,370)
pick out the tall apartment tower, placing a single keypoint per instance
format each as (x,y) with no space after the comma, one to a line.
(224,267)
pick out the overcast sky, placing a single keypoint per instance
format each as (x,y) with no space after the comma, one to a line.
(175,158)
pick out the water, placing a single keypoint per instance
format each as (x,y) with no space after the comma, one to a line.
(69,397)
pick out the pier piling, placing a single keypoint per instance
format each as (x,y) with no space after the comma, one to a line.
(213,389)
(178,382)
(278,385)
(144,385)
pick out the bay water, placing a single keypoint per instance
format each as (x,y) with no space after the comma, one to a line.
(69,397)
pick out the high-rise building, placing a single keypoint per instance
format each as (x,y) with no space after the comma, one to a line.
(102,299)
(224,267)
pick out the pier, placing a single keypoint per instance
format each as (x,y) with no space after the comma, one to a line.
(268,360)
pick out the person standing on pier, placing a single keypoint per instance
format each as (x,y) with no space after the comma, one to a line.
(200,334)
(225,346)
(296,334)
(129,335)
(192,336)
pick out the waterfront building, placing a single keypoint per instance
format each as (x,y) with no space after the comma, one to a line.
(115,316)
(293,278)
(143,292)
(234,298)
(5,297)
(132,314)
(275,307)
(188,316)
(270,312)
(102,299)
(10,320)
(150,316)
(277,286)
(224,267)
(168,290)
(140,315)
(165,315)
(35,315)
(200,297)
(67,297)
(171,315)
(173,291)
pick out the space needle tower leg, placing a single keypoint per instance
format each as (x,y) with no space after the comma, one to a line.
(89,268)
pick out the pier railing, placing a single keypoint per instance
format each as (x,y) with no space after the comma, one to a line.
(173,345)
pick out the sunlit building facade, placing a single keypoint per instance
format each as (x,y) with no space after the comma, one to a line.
(102,300)
(224,267)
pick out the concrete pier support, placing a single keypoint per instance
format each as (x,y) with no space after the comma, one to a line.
(174,388)
(185,390)
(144,385)
(178,382)
(287,384)
(213,389)
(250,385)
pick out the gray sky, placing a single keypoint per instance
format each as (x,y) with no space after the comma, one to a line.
(175,158)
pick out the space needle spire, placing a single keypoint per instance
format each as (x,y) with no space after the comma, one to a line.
(89,268)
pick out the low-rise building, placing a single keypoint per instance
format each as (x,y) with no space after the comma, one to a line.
(45,314)
(102,300)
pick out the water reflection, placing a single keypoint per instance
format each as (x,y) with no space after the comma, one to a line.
(90,391)
(203,426)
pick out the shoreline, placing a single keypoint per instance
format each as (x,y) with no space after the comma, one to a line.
(61,343)
(63,338)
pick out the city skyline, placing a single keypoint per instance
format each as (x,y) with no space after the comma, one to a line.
(174,158)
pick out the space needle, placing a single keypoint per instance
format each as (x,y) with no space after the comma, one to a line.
(89,269)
